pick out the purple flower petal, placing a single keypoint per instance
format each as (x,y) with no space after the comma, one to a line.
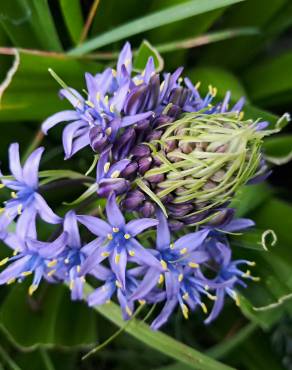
(130,120)
(163,234)
(26,223)
(143,255)
(71,227)
(118,261)
(135,227)
(68,135)
(64,116)
(73,97)
(114,215)
(14,162)
(147,284)
(48,250)
(101,295)
(238,224)
(95,257)
(95,225)
(45,211)
(218,305)
(15,269)
(31,168)
(191,241)
(80,143)
(163,317)
(125,58)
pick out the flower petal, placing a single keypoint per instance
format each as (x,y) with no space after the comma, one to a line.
(143,255)
(114,215)
(69,134)
(118,261)
(217,307)
(101,295)
(45,211)
(191,241)
(163,317)
(130,120)
(64,116)
(31,168)
(147,284)
(135,227)
(239,224)
(71,227)
(15,269)
(95,225)
(163,234)
(73,97)
(14,162)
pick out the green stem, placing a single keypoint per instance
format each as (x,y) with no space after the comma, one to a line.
(46,358)
(6,358)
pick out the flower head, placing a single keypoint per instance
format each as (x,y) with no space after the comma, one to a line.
(26,202)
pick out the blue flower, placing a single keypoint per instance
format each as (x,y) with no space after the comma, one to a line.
(31,256)
(119,243)
(26,202)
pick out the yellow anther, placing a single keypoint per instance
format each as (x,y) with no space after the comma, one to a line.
(2,210)
(185,311)
(180,80)
(180,277)
(78,268)
(105,254)
(15,252)
(241,115)
(186,296)
(163,264)
(138,82)
(206,287)
(161,279)
(251,263)
(4,261)
(212,297)
(162,85)
(112,108)
(108,131)
(110,236)
(51,273)
(142,301)
(19,209)
(116,229)
(171,246)
(106,100)
(236,299)
(127,236)
(2,186)
(198,84)
(204,307)
(98,96)
(26,273)
(52,263)
(127,62)
(108,301)
(71,286)
(13,194)
(193,265)
(67,260)
(11,281)
(129,311)
(106,167)
(118,284)
(88,102)
(183,251)
(143,73)
(82,278)
(114,72)
(117,258)
(255,278)
(115,174)
(246,274)
(132,253)
(32,289)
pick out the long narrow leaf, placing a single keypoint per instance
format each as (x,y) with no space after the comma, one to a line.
(157,19)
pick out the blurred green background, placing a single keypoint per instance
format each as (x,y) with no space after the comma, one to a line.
(241,46)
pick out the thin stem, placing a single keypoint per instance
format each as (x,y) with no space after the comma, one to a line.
(6,358)
(46,358)
(34,144)
(89,21)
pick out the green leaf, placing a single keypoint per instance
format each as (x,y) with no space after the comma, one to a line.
(72,14)
(29,23)
(158,340)
(238,53)
(278,149)
(160,18)
(46,318)
(145,51)
(270,82)
(30,93)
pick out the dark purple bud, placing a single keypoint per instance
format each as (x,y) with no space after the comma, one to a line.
(133,200)
(156,178)
(98,139)
(175,225)
(144,164)
(170,145)
(108,186)
(223,218)
(141,150)
(154,135)
(147,209)
(160,121)
(153,93)
(195,218)
(130,169)
(179,210)
(135,100)
(142,125)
